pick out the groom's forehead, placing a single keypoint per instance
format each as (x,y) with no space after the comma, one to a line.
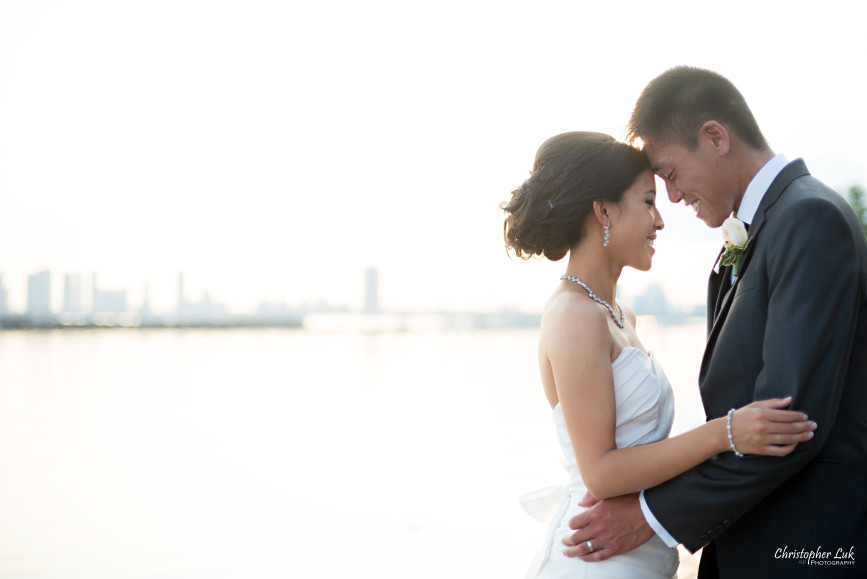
(661,155)
(657,155)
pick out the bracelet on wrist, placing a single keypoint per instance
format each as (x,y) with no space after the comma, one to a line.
(729,431)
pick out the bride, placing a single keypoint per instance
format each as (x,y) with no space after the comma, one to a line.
(593,198)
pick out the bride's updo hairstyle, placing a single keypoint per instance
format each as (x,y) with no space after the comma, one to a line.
(546,214)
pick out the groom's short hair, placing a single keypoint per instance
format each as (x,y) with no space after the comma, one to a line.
(674,106)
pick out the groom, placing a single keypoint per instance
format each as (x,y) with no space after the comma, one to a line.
(792,323)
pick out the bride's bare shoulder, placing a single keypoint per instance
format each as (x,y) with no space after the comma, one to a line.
(571,313)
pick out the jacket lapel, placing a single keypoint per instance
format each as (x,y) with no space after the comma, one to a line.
(714,291)
(725,286)
(789,173)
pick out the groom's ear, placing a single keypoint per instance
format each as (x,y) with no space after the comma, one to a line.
(714,137)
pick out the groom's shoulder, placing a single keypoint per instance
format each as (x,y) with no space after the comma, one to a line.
(807,196)
(812,215)
(809,210)
(803,184)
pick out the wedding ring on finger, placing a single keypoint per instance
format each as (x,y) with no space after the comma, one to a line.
(590,546)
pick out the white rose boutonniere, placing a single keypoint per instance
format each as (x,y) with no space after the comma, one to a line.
(736,242)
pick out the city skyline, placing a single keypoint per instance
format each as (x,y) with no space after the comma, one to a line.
(40,298)
(653,301)
(110,308)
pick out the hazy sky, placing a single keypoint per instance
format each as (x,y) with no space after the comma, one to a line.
(273,150)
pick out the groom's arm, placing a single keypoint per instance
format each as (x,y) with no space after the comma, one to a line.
(813,301)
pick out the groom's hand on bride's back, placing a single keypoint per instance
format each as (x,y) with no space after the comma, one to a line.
(612,526)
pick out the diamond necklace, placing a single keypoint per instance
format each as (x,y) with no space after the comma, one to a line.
(596,299)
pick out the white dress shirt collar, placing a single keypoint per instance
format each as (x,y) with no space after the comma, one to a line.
(758,187)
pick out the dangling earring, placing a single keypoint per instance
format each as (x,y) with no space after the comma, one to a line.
(607,239)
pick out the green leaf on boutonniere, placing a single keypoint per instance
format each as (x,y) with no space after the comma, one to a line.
(733,255)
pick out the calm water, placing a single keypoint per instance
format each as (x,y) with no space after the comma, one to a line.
(279,453)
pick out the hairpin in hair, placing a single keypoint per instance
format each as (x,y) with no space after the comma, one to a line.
(550,204)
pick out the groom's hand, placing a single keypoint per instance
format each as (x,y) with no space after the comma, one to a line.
(613,526)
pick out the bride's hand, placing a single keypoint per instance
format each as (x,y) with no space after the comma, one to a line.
(764,428)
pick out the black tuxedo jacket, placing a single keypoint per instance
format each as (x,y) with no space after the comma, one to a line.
(793,323)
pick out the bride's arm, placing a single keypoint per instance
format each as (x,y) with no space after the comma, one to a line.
(578,347)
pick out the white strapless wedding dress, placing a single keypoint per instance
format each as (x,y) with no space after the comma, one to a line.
(645,412)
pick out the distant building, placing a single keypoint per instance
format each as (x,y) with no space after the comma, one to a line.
(321,307)
(181,302)
(111,302)
(3,298)
(39,294)
(72,294)
(273,310)
(204,310)
(371,290)
(107,302)
(652,302)
(145,309)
